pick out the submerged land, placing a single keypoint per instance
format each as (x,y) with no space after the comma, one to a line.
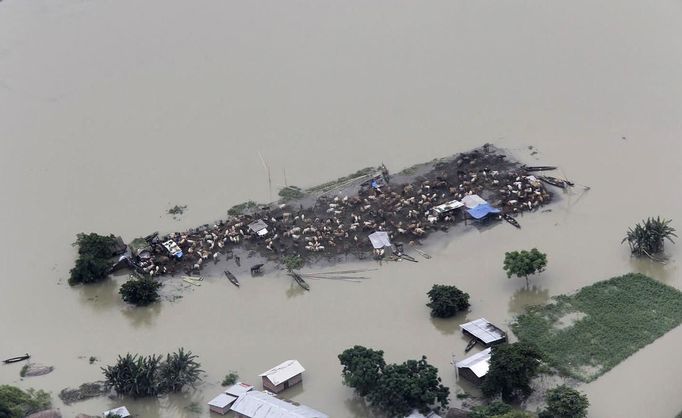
(336,218)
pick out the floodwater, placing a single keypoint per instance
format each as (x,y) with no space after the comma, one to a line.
(112,111)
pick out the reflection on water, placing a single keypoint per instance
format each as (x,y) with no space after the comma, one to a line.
(527,296)
(449,326)
(142,316)
(662,271)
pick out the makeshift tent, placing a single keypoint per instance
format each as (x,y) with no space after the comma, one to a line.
(380,239)
(473,200)
(482,210)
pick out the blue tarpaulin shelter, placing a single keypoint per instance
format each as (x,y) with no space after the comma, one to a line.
(482,210)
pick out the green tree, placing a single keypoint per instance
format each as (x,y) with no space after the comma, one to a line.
(413,384)
(16,403)
(179,370)
(647,238)
(565,402)
(140,292)
(446,301)
(293,262)
(94,257)
(512,367)
(524,263)
(139,376)
(362,368)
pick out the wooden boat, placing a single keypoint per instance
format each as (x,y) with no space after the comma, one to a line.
(297,277)
(556,182)
(539,168)
(17,359)
(471,345)
(231,278)
(511,220)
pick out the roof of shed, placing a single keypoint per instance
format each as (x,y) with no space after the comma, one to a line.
(483,330)
(256,404)
(283,372)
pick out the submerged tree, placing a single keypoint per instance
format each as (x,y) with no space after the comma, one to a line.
(411,385)
(139,376)
(94,260)
(362,368)
(140,292)
(565,402)
(524,263)
(647,238)
(17,403)
(446,301)
(512,366)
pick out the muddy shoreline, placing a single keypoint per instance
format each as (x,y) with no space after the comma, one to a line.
(338,220)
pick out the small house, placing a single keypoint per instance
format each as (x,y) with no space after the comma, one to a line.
(474,368)
(238,389)
(256,404)
(259,227)
(221,403)
(121,411)
(283,376)
(484,332)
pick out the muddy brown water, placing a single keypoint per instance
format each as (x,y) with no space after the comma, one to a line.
(114,111)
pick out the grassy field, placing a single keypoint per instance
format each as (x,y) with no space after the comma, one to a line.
(586,334)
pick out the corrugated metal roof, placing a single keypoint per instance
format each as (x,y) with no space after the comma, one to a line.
(479,363)
(222,400)
(256,404)
(484,331)
(283,372)
(121,410)
(379,239)
(256,226)
(445,207)
(238,389)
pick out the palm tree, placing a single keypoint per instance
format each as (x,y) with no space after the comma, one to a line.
(647,238)
(179,369)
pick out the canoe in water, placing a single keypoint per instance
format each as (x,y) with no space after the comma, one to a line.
(17,359)
(231,277)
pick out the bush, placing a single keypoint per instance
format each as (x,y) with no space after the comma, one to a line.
(564,402)
(647,237)
(512,367)
(230,378)
(362,368)
(446,301)
(293,262)
(16,403)
(291,192)
(493,409)
(138,376)
(140,292)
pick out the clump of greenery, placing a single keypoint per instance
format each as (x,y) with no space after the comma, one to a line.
(395,389)
(293,262)
(16,403)
(331,184)
(291,192)
(241,208)
(615,318)
(446,300)
(23,370)
(492,410)
(565,402)
(524,263)
(230,378)
(177,210)
(139,376)
(84,391)
(94,257)
(512,367)
(647,238)
(92,359)
(140,292)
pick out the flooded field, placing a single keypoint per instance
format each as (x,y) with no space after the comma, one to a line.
(114,111)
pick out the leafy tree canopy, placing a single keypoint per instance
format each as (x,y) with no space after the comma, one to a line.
(524,263)
(493,409)
(512,367)
(94,261)
(413,384)
(446,301)
(140,292)
(565,402)
(362,368)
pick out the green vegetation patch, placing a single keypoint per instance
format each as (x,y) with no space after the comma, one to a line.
(291,193)
(241,208)
(341,180)
(586,334)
